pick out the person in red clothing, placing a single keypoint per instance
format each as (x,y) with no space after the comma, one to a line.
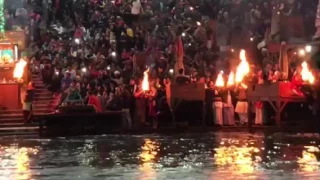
(297,82)
(94,100)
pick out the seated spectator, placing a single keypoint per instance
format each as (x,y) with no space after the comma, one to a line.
(73,93)
(66,81)
(94,100)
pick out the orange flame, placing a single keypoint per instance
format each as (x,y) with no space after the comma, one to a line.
(19,69)
(306,74)
(243,68)
(220,80)
(231,79)
(145,81)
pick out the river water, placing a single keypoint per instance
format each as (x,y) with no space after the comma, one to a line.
(186,156)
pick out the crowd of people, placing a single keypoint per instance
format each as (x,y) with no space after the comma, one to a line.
(96,51)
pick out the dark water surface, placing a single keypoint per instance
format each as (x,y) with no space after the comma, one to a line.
(189,156)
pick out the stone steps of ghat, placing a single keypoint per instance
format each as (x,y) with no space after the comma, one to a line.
(16,124)
(11,120)
(36,110)
(22,130)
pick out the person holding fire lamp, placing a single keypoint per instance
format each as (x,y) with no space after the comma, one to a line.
(27,104)
(297,82)
(151,95)
(242,104)
(243,70)
(228,108)
(140,110)
(217,100)
(141,94)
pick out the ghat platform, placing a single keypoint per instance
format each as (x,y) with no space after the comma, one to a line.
(278,95)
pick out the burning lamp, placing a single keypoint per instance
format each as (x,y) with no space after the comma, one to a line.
(302,52)
(77,41)
(113,54)
(220,81)
(183,34)
(57,73)
(251,39)
(19,69)
(145,81)
(171,71)
(108,68)
(84,69)
(191,8)
(308,48)
(198,23)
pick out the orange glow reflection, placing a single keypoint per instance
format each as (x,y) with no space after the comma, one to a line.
(309,162)
(149,152)
(235,158)
(15,163)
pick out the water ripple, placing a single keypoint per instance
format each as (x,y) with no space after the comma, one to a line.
(189,156)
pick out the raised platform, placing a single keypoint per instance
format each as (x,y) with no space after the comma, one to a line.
(10,95)
(278,95)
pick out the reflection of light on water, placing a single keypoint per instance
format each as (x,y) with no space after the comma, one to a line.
(15,162)
(235,158)
(149,151)
(308,162)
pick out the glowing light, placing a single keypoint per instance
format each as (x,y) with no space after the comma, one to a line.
(308,48)
(145,81)
(306,74)
(302,52)
(220,80)
(113,54)
(191,8)
(171,71)
(77,41)
(198,23)
(19,69)
(84,69)
(108,67)
(231,79)
(243,68)
(251,39)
